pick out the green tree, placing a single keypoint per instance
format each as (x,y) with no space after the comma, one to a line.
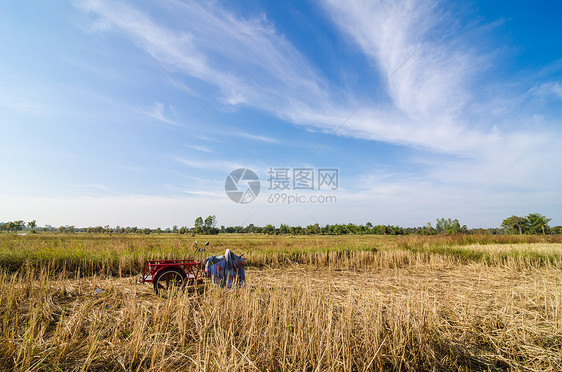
(313,229)
(268,229)
(18,225)
(428,229)
(538,223)
(32,225)
(284,229)
(210,223)
(199,224)
(515,224)
(448,226)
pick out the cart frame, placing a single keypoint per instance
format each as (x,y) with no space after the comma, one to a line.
(174,274)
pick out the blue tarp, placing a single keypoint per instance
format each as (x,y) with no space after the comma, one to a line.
(227,270)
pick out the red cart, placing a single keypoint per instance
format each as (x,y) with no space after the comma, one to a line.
(174,275)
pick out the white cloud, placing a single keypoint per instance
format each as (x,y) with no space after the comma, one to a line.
(247,60)
(210,165)
(256,137)
(157,111)
(436,105)
(94,186)
(431,90)
(553,88)
(557,89)
(199,148)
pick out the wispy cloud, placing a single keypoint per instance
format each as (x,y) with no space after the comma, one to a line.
(247,60)
(252,64)
(210,165)
(213,189)
(552,89)
(213,194)
(199,148)
(431,91)
(94,186)
(157,112)
(256,137)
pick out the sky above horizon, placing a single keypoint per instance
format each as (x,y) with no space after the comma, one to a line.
(134,113)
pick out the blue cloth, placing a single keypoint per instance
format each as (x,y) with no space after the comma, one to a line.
(227,270)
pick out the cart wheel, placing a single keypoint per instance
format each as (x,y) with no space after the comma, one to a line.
(169,282)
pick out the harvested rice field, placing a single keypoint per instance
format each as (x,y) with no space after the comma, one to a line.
(325,303)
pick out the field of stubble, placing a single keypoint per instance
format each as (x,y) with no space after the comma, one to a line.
(352,303)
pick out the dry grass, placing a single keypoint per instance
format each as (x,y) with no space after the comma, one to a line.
(397,308)
(125,255)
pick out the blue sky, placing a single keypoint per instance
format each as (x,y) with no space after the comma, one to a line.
(134,113)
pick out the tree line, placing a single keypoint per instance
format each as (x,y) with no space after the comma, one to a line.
(534,223)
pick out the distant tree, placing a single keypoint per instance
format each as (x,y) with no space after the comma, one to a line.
(515,224)
(210,223)
(268,229)
(538,223)
(283,229)
(453,226)
(32,225)
(447,226)
(198,225)
(313,229)
(18,225)
(340,229)
(428,229)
